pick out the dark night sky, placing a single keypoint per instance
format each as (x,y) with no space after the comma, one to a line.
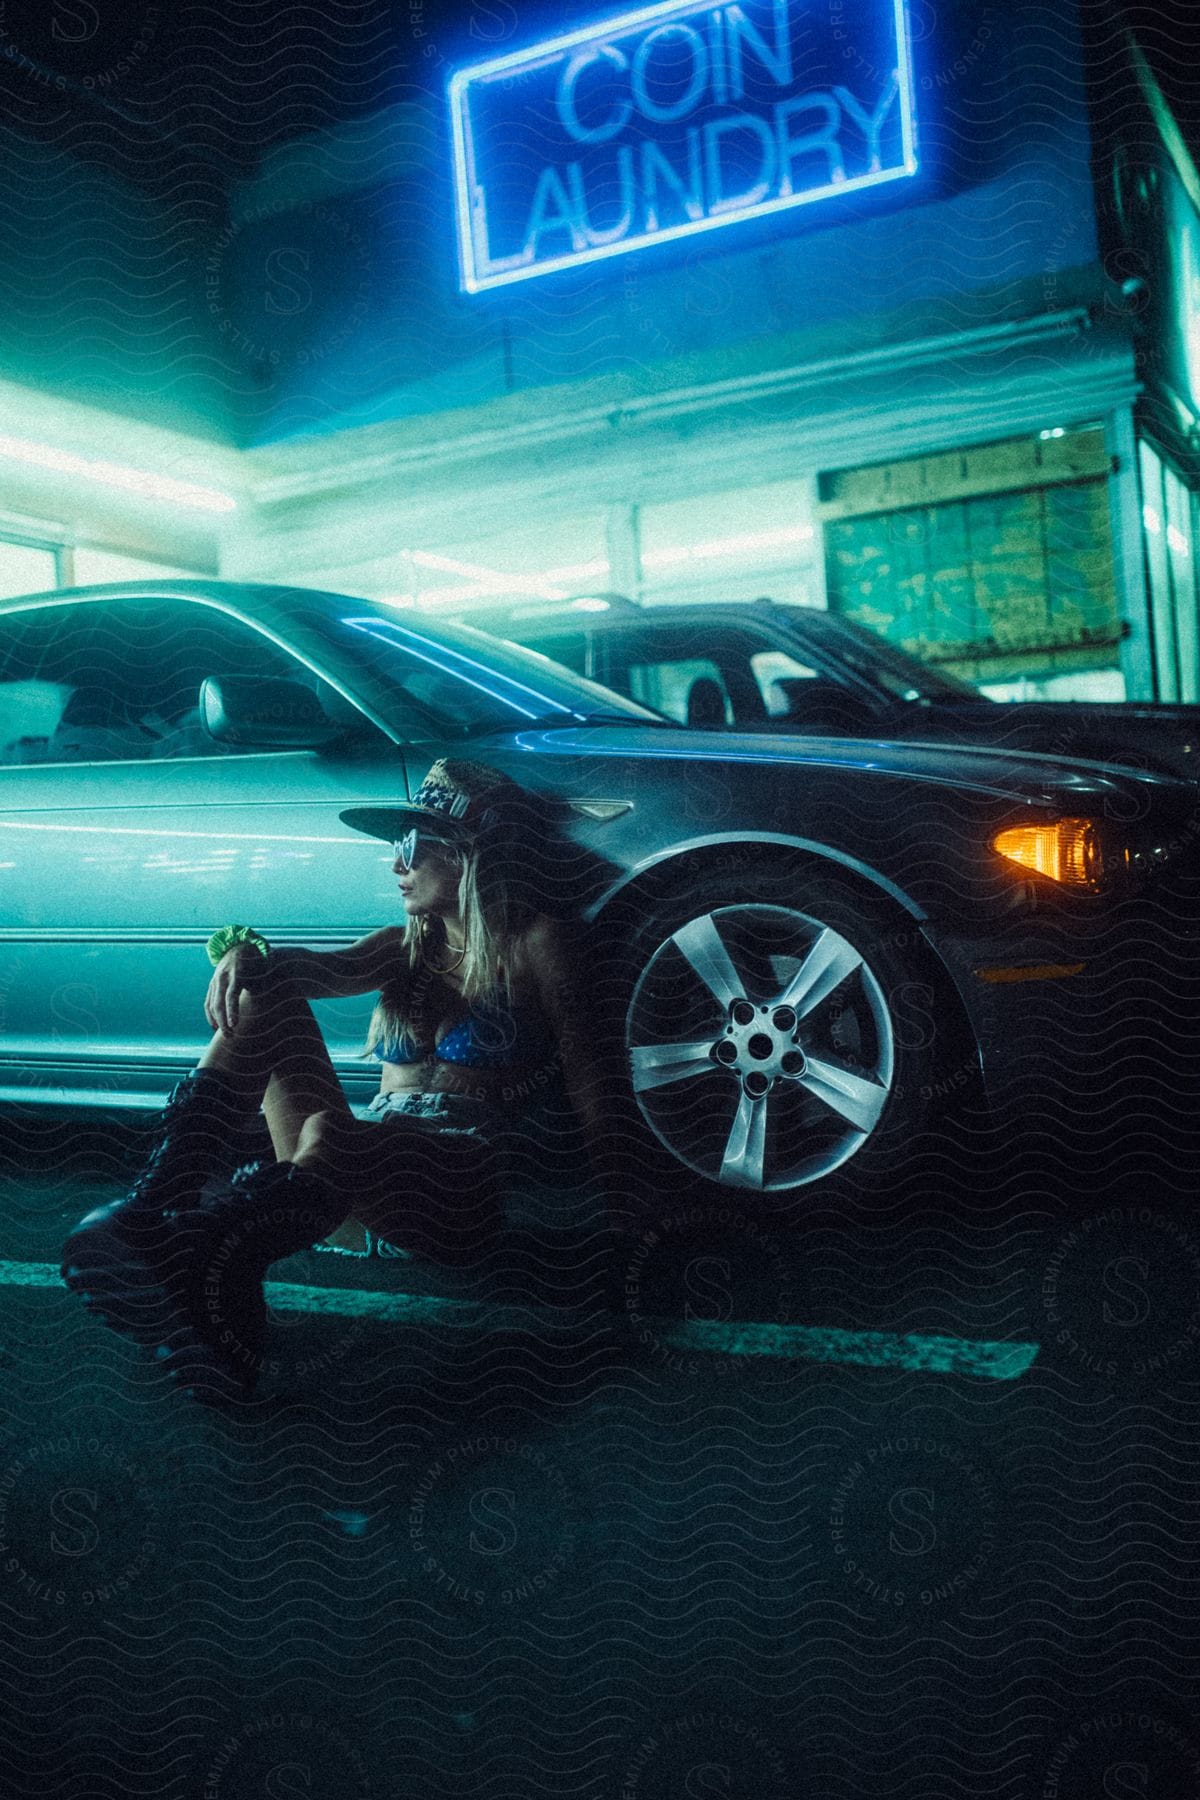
(221,80)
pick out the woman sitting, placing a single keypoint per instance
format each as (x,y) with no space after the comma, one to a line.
(480,1024)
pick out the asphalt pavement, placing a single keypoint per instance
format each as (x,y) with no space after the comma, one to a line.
(890,1496)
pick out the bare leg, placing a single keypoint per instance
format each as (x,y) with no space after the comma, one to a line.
(277,1056)
(436,1194)
(144,1267)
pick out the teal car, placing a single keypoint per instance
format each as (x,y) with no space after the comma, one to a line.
(806,946)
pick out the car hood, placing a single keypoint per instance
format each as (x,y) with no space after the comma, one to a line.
(1020,775)
(1142,735)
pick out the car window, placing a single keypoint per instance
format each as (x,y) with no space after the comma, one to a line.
(889,669)
(120,681)
(29,715)
(449,678)
(773,669)
(691,690)
(569,648)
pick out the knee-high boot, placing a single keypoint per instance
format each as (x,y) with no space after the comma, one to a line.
(271,1210)
(123,1259)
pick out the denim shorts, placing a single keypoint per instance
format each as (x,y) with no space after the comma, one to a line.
(436,1112)
(515,1144)
(530,1139)
(461,1126)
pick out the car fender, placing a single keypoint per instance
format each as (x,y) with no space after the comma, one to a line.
(714,840)
(922,939)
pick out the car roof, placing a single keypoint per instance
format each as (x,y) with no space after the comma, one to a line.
(622,613)
(810,630)
(276,600)
(298,615)
(616,606)
(269,599)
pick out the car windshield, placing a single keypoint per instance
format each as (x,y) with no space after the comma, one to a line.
(466,682)
(662,638)
(893,671)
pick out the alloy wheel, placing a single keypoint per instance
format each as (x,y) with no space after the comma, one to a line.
(760,1046)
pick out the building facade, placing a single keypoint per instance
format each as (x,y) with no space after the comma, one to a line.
(854,306)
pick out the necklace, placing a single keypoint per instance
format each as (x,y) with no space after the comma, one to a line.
(450,967)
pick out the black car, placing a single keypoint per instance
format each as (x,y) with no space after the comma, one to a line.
(804,946)
(761,666)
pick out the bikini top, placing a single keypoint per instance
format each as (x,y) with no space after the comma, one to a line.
(490,1037)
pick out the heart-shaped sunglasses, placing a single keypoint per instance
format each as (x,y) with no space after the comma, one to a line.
(415,843)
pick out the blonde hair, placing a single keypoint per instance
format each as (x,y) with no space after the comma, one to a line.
(491,921)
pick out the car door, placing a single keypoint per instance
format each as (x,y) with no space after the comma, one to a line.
(127,836)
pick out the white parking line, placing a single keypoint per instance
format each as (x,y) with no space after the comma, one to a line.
(723,1337)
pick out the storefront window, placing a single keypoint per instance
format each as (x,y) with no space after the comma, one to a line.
(1169,521)
(515,553)
(733,545)
(1181,536)
(993,563)
(113,565)
(531,552)
(1098,684)
(26,569)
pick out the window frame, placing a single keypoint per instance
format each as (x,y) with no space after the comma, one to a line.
(52,547)
(13,610)
(1035,466)
(539,645)
(736,642)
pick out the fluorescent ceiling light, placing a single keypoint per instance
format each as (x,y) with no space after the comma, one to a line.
(495,584)
(460,596)
(487,581)
(727,546)
(428,559)
(587,571)
(117,475)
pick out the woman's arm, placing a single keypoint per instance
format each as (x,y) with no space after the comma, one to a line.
(336,974)
(313,974)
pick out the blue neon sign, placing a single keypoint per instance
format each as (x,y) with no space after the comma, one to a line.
(674,119)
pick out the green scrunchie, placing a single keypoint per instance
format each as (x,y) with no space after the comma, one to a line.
(229,935)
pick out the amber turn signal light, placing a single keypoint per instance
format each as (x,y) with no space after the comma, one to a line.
(1066,850)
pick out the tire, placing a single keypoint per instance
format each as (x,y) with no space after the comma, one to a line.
(779,1031)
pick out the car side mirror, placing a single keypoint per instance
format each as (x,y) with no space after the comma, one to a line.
(274,715)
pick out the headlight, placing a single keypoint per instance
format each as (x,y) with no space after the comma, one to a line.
(1068,851)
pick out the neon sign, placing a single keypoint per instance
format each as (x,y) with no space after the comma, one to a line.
(672,120)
